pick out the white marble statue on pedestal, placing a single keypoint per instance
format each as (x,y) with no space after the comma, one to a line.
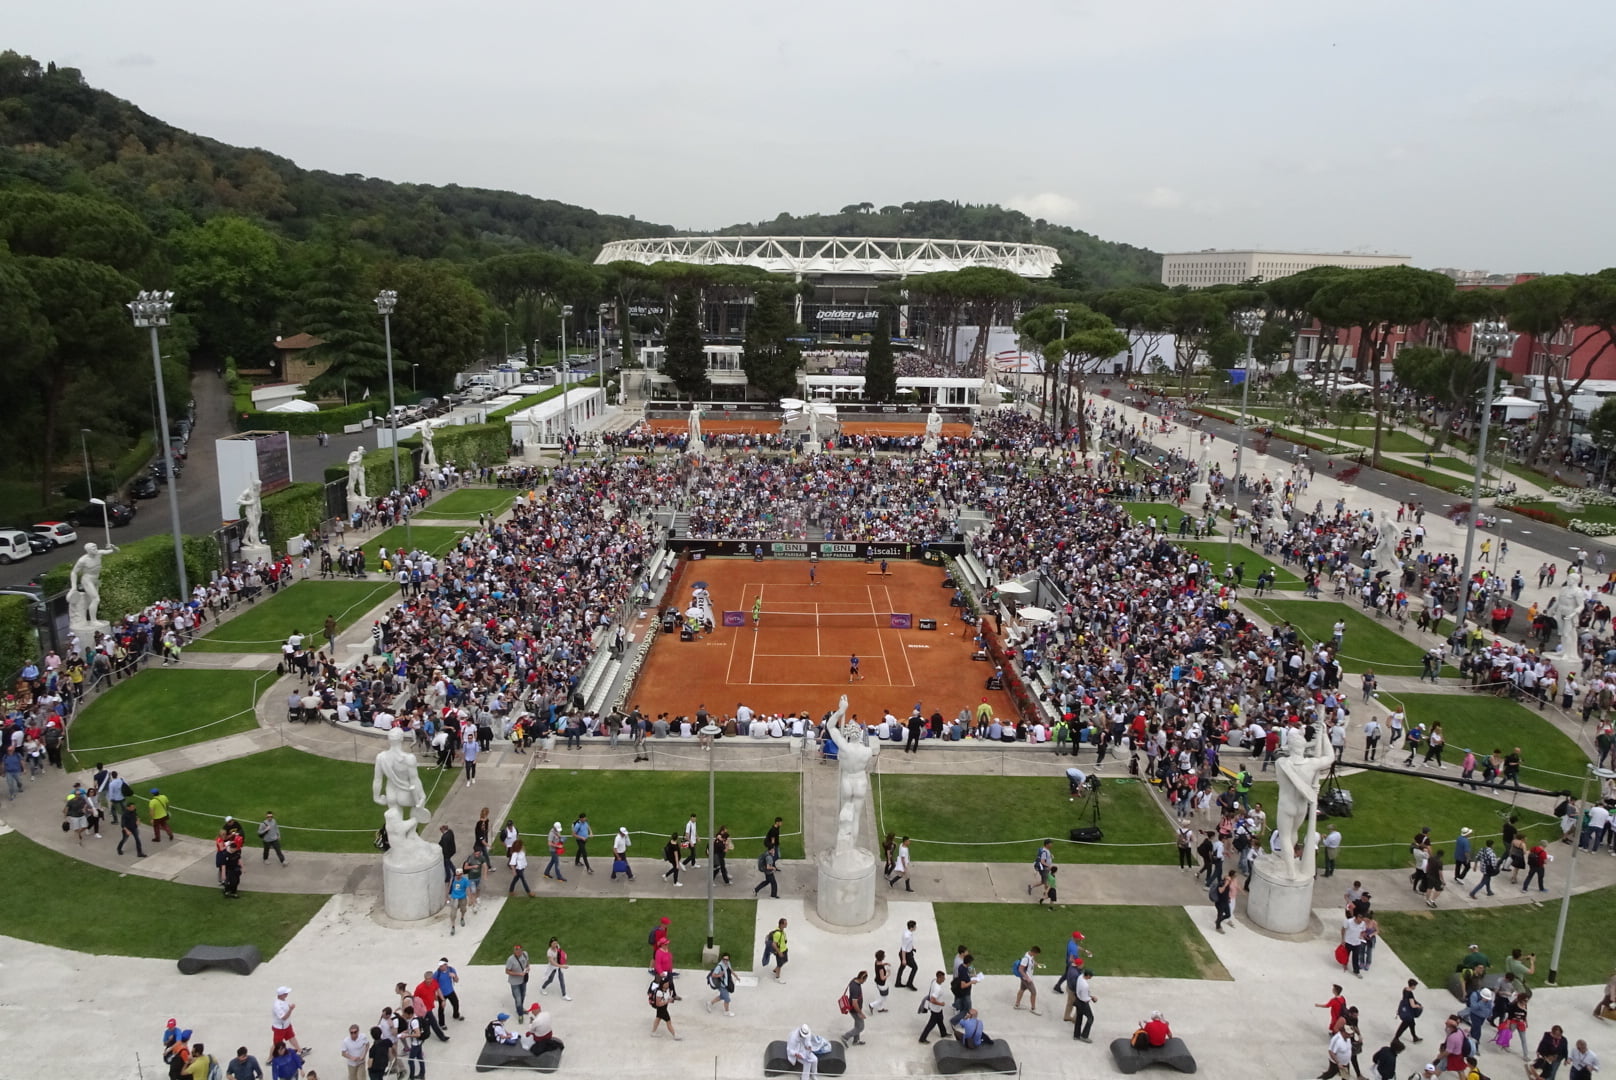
(358,495)
(813,446)
(846,893)
(429,452)
(1385,551)
(412,868)
(1300,774)
(84,588)
(694,445)
(1567,609)
(252,510)
(934,429)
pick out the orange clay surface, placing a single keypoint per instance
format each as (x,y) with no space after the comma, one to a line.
(790,665)
(772,427)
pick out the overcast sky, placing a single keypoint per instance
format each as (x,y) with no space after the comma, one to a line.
(1473,134)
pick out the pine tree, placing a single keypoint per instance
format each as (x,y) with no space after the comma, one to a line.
(769,358)
(686,360)
(880,379)
(334,305)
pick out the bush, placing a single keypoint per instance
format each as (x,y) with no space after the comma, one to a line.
(474,444)
(379,469)
(292,510)
(542,395)
(1538,513)
(142,572)
(310,423)
(18,641)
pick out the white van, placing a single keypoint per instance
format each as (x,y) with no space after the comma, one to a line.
(13,546)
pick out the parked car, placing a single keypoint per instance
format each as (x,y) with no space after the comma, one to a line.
(57,533)
(14,545)
(89,515)
(144,487)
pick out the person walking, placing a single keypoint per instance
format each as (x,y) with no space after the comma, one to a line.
(446,845)
(1409,1011)
(1537,861)
(269,834)
(721,847)
(722,980)
(129,823)
(883,975)
(906,957)
(769,864)
(670,855)
(660,995)
(1490,866)
(936,998)
(1223,894)
(516,972)
(690,843)
(776,946)
(620,845)
(557,848)
(280,1021)
(468,755)
(232,868)
(157,808)
(517,861)
(1024,969)
(447,979)
(555,968)
(581,833)
(852,1004)
(1084,1007)
(900,867)
(459,895)
(480,837)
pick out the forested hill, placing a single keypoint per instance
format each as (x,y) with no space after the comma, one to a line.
(59,133)
(1086,259)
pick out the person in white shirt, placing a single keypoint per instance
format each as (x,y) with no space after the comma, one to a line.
(777,728)
(906,957)
(900,867)
(1583,1061)
(355,1050)
(1340,1056)
(743,716)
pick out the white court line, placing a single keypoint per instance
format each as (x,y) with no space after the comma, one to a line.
(905,652)
(884,662)
(731,665)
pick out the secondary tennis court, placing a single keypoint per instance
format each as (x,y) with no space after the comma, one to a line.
(798,657)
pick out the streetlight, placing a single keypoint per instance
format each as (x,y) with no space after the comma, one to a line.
(711,731)
(506,355)
(386,301)
(1250,324)
(600,343)
(1488,341)
(1061,315)
(414,388)
(566,417)
(1571,874)
(106,521)
(84,444)
(151,309)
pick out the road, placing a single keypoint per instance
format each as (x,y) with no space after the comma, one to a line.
(199,485)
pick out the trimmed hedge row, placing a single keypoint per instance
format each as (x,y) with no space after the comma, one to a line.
(18,641)
(142,572)
(293,510)
(310,423)
(379,469)
(543,395)
(474,444)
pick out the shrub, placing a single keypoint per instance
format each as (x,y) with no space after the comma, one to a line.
(542,395)
(19,643)
(474,444)
(142,572)
(1592,528)
(1538,513)
(292,510)
(379,469)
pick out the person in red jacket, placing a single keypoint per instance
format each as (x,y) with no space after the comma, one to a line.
(1153,1032)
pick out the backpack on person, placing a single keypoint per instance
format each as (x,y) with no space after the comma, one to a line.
(1015,968)
(1214,890)
(763,862)
(488,1033)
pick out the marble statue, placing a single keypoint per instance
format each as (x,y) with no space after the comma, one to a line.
(252,509)
(1568,605)
(84,585)
(1385,550)
(412,868)
(695,445)
(357,487)
(813,424)
(934,428)
(855,756)
(429,452)
(1294,817)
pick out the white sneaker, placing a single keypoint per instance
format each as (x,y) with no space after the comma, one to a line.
(566,997)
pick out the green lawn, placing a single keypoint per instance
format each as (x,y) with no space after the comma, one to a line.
(1024,810)
(1366,644)
(1391,441)
(653,805)
(140,916)
(1431,942)
(432,539)
(1217,552)
(1550,759)
(160,701)
(467,503)
(307,793)
(1128,941)
(1166,514)
(262,627)
(1388,810)
(1453,464)
(612,932)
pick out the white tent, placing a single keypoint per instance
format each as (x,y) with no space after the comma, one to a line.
(294,405)
(1516,408)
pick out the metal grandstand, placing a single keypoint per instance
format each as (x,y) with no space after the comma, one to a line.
(870,256)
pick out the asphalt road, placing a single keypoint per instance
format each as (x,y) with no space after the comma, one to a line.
(198,486)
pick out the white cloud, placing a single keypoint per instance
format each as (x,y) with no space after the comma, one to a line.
(1049,205)
(1162,198)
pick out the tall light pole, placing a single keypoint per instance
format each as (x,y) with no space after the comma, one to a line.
(1248,323)
(106,519)
(506,354)
(386,301)
(1060,315)
(415,387)
(1488,341)
(711,731)
(84,444)
(1571,874)
(152,309)
(566,417)
(600,344)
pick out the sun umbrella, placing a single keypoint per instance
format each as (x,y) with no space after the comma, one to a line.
(1036,614)
(1013,588)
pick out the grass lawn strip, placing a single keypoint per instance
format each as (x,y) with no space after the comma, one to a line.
(1431,942)
(1549,758)
(467,503)
(1392,441)
(654,805)
(1388,810)
(1127,941)
(130,915)
(321,804)
(945,828)
(432,539)
(1216,552)
(612,932)
(1366,643)
(303,606)
(164,708)
(1166,514)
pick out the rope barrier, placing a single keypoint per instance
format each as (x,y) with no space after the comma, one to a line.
(253,708)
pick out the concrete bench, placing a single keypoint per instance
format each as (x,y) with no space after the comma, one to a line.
(512,1056)
(1173,1053)
(241,959)
(952,1056)
(776,1063)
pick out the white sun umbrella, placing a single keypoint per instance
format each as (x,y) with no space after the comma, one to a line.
(1036,614)
(792,403)
(1013,588)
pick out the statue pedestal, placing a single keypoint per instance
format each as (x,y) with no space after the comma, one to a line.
(251,553)
(412,881)
(928,445)
(1281,904)
(1198,493)
(356,503)
(87,631)
(846,894)
(813,446)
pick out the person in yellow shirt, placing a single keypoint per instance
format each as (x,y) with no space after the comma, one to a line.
(158,805)
(200,1063)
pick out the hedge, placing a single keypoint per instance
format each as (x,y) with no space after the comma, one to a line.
(379,469)
(474,444)
(543,395)
(142,572)
(19,643)
(293,510)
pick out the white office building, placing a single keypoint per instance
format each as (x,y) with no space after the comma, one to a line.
(1200,269)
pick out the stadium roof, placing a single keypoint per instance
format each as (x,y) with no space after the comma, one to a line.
(874,256)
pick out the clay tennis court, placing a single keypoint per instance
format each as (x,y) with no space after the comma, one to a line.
(798,657)
(772,427)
